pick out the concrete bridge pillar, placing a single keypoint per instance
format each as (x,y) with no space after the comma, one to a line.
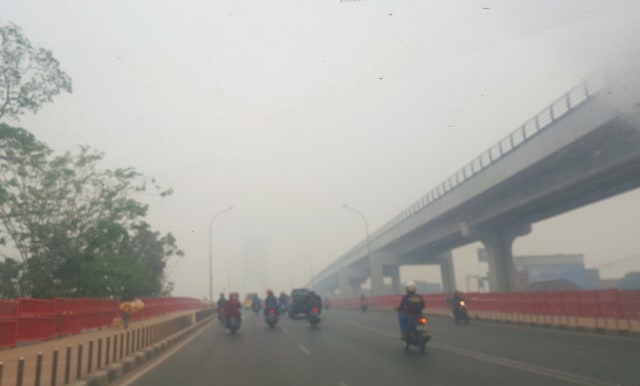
(394,272)
(377,279)
(356,289)
(383,263)
(447,273)
(343,280)
(498,243)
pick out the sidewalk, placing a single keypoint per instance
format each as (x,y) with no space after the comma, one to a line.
(10,357)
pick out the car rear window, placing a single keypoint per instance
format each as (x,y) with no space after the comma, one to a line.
(299,292)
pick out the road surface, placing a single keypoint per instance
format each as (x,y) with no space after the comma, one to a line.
(351,348)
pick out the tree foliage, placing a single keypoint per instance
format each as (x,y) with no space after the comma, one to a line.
(29,76)
(77,230)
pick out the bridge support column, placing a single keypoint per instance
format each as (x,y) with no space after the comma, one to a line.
(356,289)
(447,273)
(343,279)
(379,263)
(395,279)
(377,279)
(502,273)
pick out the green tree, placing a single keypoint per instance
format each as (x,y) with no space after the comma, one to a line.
(78,229)
(29,76)
(9,274)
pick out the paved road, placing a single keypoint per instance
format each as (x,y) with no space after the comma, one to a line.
(354,349)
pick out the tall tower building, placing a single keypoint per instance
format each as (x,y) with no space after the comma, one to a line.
(255,266)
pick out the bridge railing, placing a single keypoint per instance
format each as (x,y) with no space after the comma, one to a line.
(612,310)
(571,100)
(26,319)
(529,129)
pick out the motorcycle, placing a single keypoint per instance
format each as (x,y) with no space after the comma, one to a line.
(418,334)
(221,315)
(364,307)
(314,317)
(271,318)
(256,307)
(234,325)
(460,313)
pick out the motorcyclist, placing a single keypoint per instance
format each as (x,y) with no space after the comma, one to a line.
(363,300)
(315,301)
(454,303)
(454,300)
(221,303)
(232,307)
(256,305)
(270,302)
(410,307)
(284,301)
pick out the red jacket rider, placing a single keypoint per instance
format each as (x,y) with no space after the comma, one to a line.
(232,307)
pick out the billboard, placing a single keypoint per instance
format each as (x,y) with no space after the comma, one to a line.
(552,267)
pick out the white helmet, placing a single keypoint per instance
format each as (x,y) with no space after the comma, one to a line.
(411,287)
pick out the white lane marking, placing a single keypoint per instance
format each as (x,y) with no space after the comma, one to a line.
(164,357)
(546,371)
(304,349)
(540,370)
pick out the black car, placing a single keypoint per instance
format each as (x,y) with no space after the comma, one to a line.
(299,302)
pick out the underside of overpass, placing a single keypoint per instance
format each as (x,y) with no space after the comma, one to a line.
(600,164)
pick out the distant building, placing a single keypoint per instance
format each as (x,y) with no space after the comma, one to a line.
(609,283)
(545,268)
(630,281)
(424,287)
(552,285)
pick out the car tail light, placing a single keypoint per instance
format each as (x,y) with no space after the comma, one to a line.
(314,309)
(271,312)
(422,320)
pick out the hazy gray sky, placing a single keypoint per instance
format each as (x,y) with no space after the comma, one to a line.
(287,109)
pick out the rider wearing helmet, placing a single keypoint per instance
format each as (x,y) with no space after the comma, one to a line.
(271,302)
(411,306)
(454,299)
(284,301)
(221,301)
(232,307)
(315,301)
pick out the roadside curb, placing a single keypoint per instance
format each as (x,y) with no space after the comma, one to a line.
(115,371)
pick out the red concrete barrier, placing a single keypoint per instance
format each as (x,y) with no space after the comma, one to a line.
(8,323)
(36,319)
(69,315)
(27,319)
(611,310)
(630,306)
(570,309)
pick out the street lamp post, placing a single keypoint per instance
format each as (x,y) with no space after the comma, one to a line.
(210,253)
(366,229)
